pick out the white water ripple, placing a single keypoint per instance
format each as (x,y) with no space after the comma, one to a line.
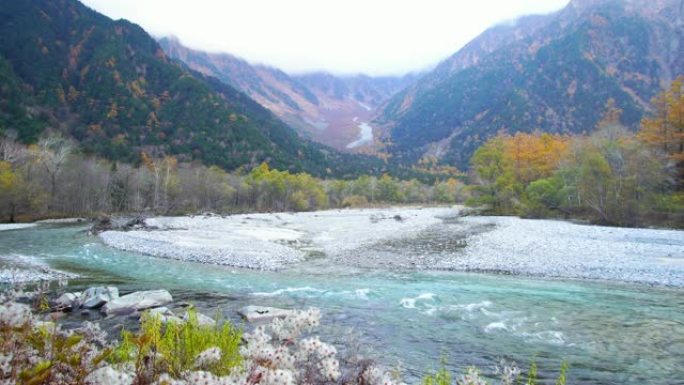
(410,303)
(288,290)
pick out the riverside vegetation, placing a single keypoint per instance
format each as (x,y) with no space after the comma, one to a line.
(170,140)
(283,352)
(612,176)
(51,178)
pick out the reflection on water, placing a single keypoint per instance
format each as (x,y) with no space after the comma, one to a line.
(609,333)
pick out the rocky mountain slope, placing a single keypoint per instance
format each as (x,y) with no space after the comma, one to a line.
(553,73)
(109,85)
(321,106)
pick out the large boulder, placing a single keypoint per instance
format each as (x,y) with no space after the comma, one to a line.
(137,301)
(202,319)
(102,223)
(164,314)
(263,313)
(95,297)
(68,301)
(106,223)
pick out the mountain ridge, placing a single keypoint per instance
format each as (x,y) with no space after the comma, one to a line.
(324,107)
(109,85)
(552,73)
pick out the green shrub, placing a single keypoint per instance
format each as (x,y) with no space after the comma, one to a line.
(174,348)
(442,377)
(509,375)
(542,196)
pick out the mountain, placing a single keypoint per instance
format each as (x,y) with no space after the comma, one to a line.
(321,106)
(109,85)
(552,73)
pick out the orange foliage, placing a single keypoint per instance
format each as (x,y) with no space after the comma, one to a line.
(136,88)
(665,130)
(534,156)
(113,111)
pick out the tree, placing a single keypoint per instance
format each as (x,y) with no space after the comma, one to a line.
(493,174)
(52,152)
(448,191)
(388,189)
(10,150)
(664,131)
(542,196)
(534,156)
(613,175)
(164,179)
(9,183)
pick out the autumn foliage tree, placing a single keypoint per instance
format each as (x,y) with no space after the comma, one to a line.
(664,130)
(611,176)
(505,165)
(534,156)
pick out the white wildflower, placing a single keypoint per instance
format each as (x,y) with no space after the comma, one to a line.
(376,376)
(329,368)
(472,377)
(15,314)
(293,325)
(6,363)
(166,379)
(278,377)
(208,357)
(110,376)
(509,373)
(283,358)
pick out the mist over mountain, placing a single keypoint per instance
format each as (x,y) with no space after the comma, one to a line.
(110,86)
(552,73)
(324,107)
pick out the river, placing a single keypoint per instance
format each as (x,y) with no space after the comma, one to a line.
(365,136)
(609,333)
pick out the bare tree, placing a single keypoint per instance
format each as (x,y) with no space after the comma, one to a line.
(10,150)
(52,152)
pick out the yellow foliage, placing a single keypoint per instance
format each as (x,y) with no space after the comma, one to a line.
(534,156)
(136,88)
(73,94)
(665,129)
(113,111)
(8,178)
(152,120)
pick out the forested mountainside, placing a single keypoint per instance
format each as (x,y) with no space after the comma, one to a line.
(109,85)
(321,106)
(552,73)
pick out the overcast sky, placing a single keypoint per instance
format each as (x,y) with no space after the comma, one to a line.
(376,37)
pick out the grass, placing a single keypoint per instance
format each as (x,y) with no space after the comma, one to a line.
(173,348)
(509,375)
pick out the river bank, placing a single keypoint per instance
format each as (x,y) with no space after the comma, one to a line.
(609,332)
(415,238)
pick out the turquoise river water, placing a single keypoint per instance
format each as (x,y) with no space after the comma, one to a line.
(608,333)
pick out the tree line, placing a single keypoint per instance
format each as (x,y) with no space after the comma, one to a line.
(613,176)
(52,178)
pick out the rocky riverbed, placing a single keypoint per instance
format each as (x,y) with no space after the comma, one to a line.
(416,238)
(609,332)
(562,249)
(272,241)
(17,269)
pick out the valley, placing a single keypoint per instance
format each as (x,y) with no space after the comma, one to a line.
(512,212)
(320,106)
